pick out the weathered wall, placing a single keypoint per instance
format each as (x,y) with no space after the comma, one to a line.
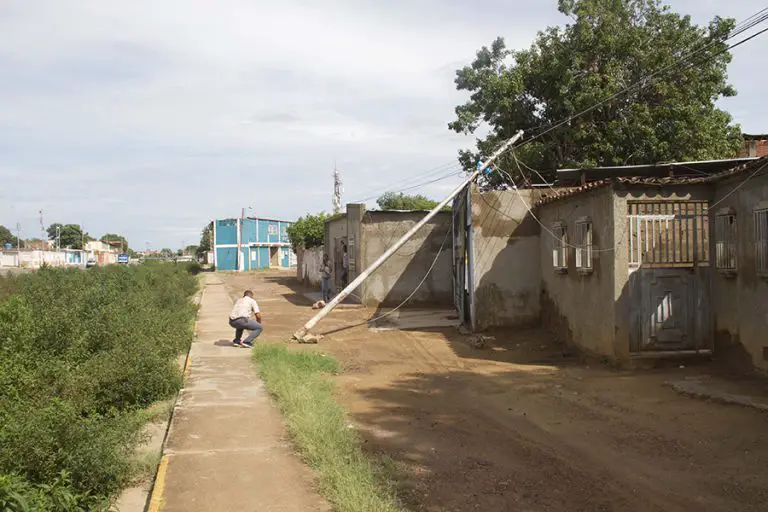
(507,263)
(740,302)
(335,233)
(399,275)
(308,265)
(580,309)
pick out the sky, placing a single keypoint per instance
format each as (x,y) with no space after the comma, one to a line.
(149,118)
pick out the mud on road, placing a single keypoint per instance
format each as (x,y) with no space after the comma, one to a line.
(516,426)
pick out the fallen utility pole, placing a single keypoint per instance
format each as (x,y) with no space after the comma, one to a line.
(301,334)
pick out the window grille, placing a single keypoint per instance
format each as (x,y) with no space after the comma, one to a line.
(560,247)
(725,241)
(584,244)
(761,241)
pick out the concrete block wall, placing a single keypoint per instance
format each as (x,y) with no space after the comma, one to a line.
(506,254)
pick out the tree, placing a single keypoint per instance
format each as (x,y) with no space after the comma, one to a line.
(393,201)
(610,45)
(308,231)
(206,238)
(112,237)
(67,235)
(166,252)
(6,237)
(190,249)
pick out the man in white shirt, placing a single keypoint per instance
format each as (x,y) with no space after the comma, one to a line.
(240,320)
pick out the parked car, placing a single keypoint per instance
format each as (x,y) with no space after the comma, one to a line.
(91,263)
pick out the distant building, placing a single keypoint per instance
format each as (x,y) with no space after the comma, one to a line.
(754,146)
(263,244)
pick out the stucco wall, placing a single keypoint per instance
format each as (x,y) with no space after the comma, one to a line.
(580,309)
(308,265)
(398,276)
(741,302)
(335,232)
(507,263)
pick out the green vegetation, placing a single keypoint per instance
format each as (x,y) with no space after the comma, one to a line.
(68,235)
(308,231)
(82,355)
(608,46)
(393,201)
(6,237)
(114,237)
(347,477)
(206,240)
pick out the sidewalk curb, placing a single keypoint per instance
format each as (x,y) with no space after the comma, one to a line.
(155,498)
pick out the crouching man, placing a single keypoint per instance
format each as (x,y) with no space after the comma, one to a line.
(240,320)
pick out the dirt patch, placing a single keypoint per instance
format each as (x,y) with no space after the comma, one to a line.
(518,425)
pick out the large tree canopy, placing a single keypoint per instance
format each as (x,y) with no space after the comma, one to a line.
(394,201)
(114,237)
(308,231)
(68,235)
(609,45)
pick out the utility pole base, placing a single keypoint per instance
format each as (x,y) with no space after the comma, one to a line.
(304,337)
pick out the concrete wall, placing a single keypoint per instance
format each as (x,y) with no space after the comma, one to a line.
(506,254)
(308,265)
(9,259)
(397,278)
(335,234)
(580,309)
(740,301)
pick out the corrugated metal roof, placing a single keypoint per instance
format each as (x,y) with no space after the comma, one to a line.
(557,195)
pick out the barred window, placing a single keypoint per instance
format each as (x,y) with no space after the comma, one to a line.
(725,240)
(584,245)
(559,247)
(761,241)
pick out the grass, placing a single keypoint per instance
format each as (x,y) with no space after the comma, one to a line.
(349,479)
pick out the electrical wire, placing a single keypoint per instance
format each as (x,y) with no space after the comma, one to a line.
(729,194)
(454,173)
(647,78)
(410,180)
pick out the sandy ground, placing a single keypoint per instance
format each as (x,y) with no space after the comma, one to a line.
(518,426)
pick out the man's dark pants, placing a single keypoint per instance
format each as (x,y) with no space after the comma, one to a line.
(241,324)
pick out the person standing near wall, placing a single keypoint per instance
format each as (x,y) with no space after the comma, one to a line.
(344,266)
(325,278)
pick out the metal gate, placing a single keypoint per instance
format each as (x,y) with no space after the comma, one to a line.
(668,244)
(462,258)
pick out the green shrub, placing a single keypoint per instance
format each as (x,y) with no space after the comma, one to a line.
(81,353)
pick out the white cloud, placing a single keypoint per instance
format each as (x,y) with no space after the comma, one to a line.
(152,117)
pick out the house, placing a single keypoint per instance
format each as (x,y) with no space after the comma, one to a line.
(754,146)
(623,263)
(101,252)
(262,243)
(420,270)
(34,258)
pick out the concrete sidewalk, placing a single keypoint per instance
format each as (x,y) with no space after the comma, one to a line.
(226,448)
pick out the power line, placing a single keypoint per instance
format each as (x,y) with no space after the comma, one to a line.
(455,172)
(414,178)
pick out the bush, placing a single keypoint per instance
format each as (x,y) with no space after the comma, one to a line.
(81,354)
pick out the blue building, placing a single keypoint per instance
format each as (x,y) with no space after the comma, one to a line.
(263,243)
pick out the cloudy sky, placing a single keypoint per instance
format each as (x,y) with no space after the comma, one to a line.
(151,117)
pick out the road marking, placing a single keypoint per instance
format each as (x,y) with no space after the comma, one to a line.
(156,500)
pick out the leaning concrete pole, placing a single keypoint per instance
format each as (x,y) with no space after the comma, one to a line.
(301,334)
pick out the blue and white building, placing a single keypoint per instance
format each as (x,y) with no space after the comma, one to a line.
(263,244)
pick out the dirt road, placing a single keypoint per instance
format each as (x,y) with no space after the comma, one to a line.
(515,426)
